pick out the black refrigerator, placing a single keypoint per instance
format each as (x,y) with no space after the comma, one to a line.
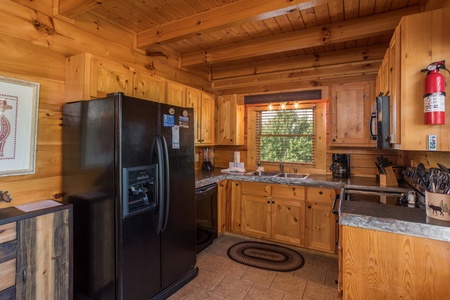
(128,170)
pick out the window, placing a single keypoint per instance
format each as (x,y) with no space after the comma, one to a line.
(286,135)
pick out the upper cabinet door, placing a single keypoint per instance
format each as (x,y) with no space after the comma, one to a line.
(89,76)
(230,121)
(176,94)
(351,105)
(148,87)
(207,111)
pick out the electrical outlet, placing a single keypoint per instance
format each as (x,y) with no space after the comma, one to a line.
(432,142)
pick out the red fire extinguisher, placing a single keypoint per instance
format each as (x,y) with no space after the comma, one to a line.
(434,94)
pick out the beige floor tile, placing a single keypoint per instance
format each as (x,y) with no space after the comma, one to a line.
(291,285)
(232,288)
(258,276)
(311,273)
(331,279)
(232,269)
(207,280)
(326,262)
(199,294)
(262,293)
(210,262)
(315,291)
(183,292)
(218,249)
(309,258)
(289,297)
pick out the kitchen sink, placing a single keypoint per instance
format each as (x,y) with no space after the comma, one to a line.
(294,175)
(263,173)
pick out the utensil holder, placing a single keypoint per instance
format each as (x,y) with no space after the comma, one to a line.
(388,179)
(437,206)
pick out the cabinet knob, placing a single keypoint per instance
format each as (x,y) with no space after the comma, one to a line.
(320,193)
(268,202)
(273,202)
(309,206)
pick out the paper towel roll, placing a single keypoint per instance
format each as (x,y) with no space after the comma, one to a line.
(237,156)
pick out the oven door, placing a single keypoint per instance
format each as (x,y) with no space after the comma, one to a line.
(206,215)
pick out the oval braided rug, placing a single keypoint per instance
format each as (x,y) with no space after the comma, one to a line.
(266,256)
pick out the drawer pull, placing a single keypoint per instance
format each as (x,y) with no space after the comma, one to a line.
(24,272)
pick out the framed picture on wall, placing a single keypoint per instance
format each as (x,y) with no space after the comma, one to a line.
(19,101)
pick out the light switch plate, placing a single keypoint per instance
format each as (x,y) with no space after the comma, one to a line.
(432,142)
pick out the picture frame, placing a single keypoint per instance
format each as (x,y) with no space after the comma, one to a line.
(19,101)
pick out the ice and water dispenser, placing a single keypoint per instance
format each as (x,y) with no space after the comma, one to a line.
(139,189)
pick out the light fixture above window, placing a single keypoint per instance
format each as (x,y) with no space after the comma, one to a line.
(270,106)
(296,105)
(283,105)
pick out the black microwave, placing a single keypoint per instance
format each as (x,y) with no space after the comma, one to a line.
(381,119)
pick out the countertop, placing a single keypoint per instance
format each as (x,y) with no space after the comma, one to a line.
(362,214)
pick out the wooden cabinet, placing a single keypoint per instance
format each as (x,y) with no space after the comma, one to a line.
(419,40)
(222,192)
(8,254)
(176,94)
(321,223)
(288,214)
(274,212)
(35,257)
(204,108)
(230,121)
(235,202)
(384,265)
(89,76)
(148,87)
(350,108)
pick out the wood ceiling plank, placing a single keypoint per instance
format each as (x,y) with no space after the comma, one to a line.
(73,8)
(322,14)
(233,14)
(304,61)
(334,33)
(296,20)
(336,11)
(351,9)
(309,17)
(367,7)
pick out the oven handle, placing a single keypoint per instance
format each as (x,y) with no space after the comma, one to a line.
(341,197)
(205,189)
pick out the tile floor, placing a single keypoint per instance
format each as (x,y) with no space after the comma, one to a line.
(223,279)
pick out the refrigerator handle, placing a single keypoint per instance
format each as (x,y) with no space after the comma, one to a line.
(166,182)
(158,150)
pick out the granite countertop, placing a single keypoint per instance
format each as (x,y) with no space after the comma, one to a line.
(363,214)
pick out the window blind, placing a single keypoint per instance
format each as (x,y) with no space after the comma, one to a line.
(286,135)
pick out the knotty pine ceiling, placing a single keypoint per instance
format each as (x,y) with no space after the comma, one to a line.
(237,43)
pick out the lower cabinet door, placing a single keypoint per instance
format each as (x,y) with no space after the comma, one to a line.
(255,218)
(288,221)
(43,257)
(320,227)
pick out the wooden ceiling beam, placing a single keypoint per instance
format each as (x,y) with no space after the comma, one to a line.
(302,61)
(307,74)
(311,37)
(73,8)
(221,17)
(270,87)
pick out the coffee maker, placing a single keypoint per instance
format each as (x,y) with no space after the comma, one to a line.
(340,165)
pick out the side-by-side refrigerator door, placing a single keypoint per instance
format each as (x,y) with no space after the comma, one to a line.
(178,238)
(139,250)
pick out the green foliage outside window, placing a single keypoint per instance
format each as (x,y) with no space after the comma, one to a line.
(286,136)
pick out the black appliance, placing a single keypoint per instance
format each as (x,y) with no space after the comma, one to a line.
(128,169)
(382,120)
(340,165)
(206,215)
(207,164)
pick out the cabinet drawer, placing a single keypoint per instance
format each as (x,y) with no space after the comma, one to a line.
(7,274)
(320,195)
(252,188)
(7,232)
(288,192)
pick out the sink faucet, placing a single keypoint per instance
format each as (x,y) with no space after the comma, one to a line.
(281,168)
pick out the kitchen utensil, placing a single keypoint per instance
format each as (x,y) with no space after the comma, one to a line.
(443,168)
